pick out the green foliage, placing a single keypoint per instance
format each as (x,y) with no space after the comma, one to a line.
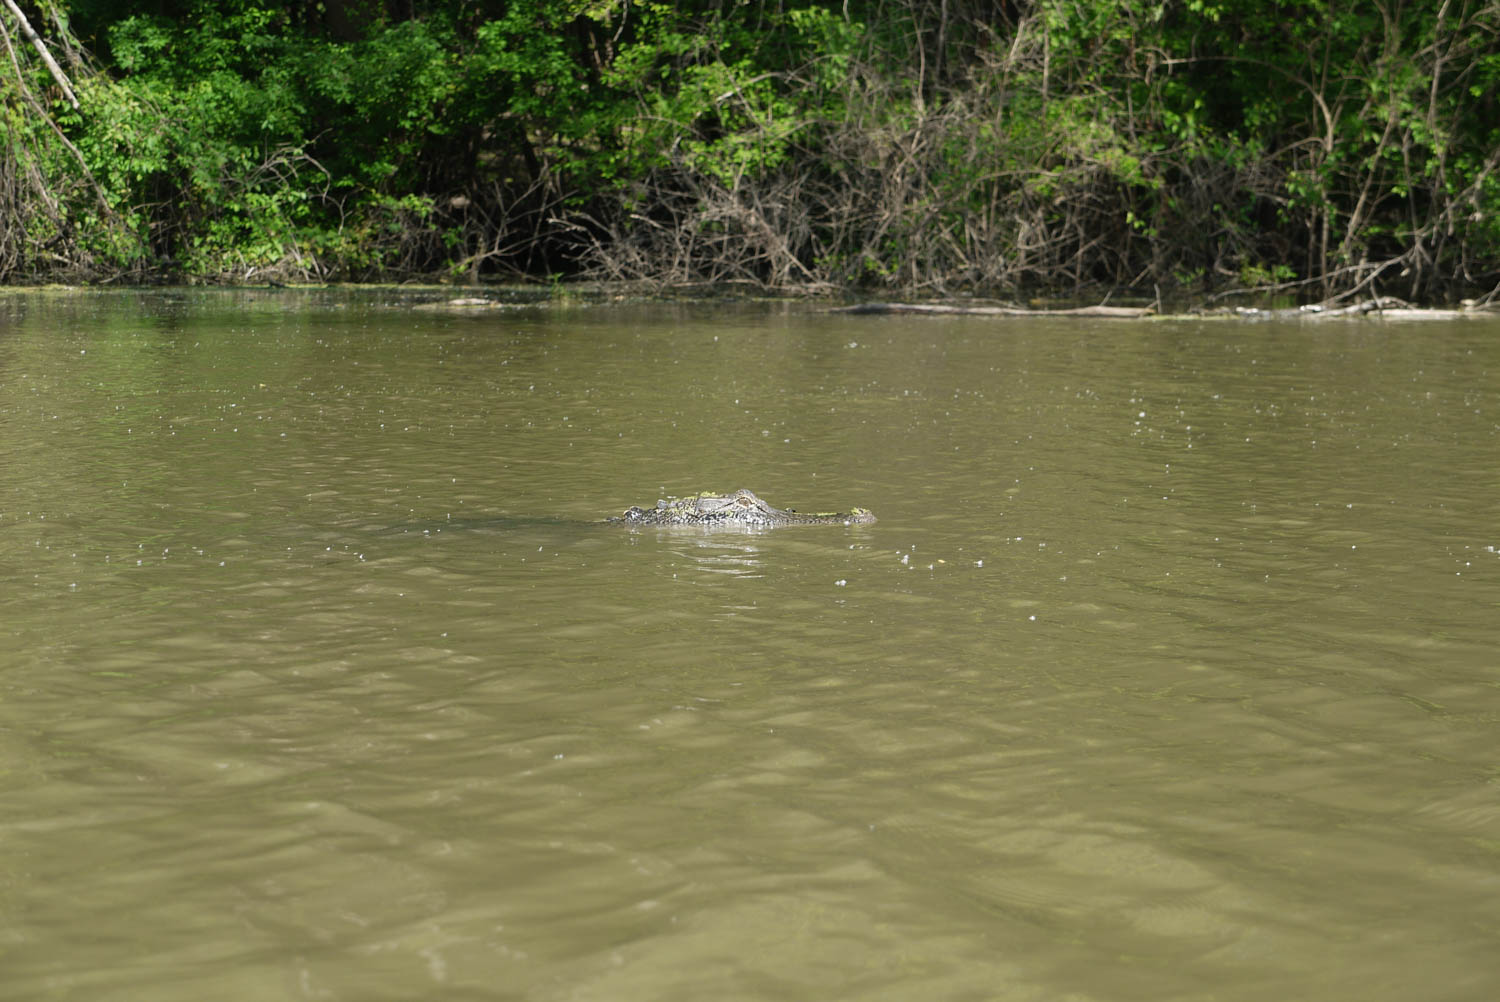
(968,142)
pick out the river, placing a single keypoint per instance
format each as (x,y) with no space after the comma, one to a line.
(1170,671)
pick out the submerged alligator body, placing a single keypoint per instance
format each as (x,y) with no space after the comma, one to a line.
(740,508)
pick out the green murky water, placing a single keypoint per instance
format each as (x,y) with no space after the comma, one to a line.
(1170,671)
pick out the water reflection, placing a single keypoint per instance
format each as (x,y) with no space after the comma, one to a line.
(715,554)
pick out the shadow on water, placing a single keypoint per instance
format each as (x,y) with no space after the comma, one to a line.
(556,526)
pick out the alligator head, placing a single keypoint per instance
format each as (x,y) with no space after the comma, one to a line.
(741,508)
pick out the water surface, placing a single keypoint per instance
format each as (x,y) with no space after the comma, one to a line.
(1168,672)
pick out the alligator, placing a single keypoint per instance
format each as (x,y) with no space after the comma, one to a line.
(741,508)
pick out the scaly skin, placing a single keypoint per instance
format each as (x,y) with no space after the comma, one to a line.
(741,508)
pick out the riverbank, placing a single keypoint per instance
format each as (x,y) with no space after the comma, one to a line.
(1380,308)
(447,298)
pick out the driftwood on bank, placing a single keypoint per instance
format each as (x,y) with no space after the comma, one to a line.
(1384,306)
(1118,312)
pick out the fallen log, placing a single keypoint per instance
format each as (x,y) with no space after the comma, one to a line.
(1385,306)
(1116,312)
(1316,310)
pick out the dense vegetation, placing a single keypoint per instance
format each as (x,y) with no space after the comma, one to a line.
(1185,146)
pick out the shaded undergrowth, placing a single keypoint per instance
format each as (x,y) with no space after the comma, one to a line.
(1087,147)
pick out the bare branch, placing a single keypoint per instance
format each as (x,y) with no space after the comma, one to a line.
(41,48)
